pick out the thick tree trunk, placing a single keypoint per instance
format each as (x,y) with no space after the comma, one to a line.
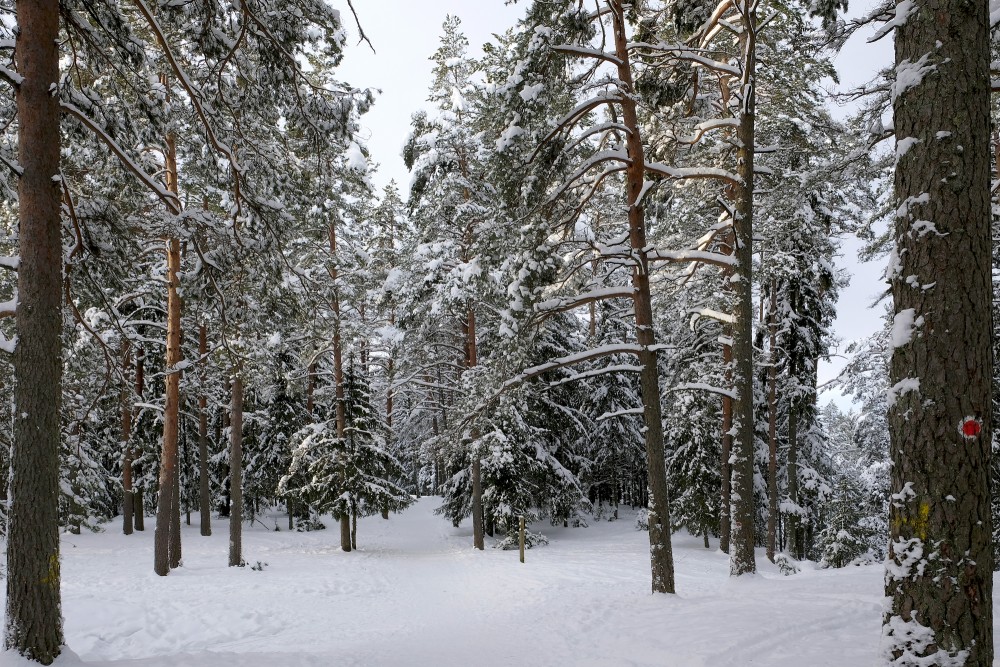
(741,554)
(168,456)
(660,549)
(163,541)
(204,491)
(126,410)
(725,469)
(772,426)
(175,523)
(139,510)
(236,473)
(34,623)
(939,569)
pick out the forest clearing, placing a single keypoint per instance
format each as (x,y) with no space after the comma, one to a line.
(417,593)
(607,270)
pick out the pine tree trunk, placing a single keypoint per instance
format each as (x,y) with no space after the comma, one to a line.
(354,524)
(345,531)
(338,374)
(139,510)
(472,360)
(741,554)
(138,507)
(175,523)
(660,549)
(940,562)
(204,490)
(236,473)
(126,410)
(34,622)
(793,524)
(725,472)
(772,425)
(171,415)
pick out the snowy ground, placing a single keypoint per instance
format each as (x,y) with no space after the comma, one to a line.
(416,593)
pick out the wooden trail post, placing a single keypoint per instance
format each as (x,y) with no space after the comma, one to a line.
(520,536)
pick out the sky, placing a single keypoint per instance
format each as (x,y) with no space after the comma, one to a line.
(405,33)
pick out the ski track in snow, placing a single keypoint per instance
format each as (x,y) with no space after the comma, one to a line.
(416,593)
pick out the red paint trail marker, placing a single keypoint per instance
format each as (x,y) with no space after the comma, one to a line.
(971,427)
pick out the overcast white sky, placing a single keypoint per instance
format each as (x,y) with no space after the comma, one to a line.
(406,32)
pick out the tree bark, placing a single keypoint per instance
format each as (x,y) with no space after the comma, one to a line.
(34,622)
(338,374)
(939,568)
(478,523)
(660,549)
(126,410)
(772,426)
(236,473)
(138,507)
(741,554)
(725,472)
(171,415)
(204,491)
(793,524)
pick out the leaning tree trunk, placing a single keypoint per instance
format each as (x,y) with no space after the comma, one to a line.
(741,554)
(660,549)
(204,492)
(34,622)
(236,473)
(939,569)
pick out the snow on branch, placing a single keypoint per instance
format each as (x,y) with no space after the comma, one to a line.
(570,360)
(683,173)
(618,156)
(194,93)
(606,370)
(701,129)
(725,318)
(10,263)
(562,305)
(578,112)
(701,386)
(629,412)
(587,52)
(7,345)
(168,198)
(685,53)
(902,12)
(10,76)
(705,257)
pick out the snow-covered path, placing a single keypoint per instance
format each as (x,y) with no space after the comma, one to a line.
(416,593)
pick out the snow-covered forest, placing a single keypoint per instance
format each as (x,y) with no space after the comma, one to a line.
(258,410)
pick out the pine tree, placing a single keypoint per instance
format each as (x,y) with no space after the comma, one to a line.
(939,568)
